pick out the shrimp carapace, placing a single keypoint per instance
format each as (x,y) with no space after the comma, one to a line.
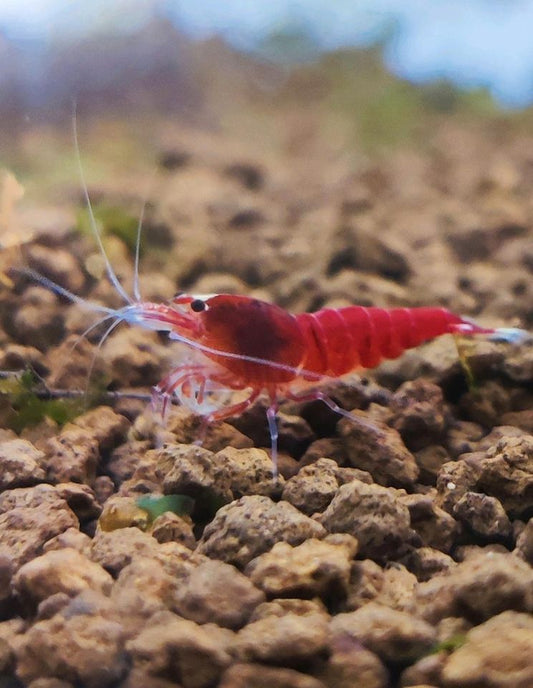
(252,329)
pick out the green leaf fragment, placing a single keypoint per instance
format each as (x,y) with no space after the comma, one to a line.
(181,505)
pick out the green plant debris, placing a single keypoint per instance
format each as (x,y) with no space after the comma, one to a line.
(28,408)
(113,221)
(463,349)
(154,505)
(451,644)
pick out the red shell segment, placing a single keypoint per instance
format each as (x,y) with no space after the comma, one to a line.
(338,341)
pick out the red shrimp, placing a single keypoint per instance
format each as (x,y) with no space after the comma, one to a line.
(250,344)
(242,343)
(239,343)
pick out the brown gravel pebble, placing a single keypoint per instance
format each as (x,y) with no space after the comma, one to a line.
(374,515)
(425,673)
(106,426)
(419,414)
(507,474)
(71,538)
(171,647)
(72,456)
(28,518)
(496,653)
(378,449)
(116,549)
(81,649)
(20,464)
(226,475)
(170,527)
(314,486)
(143,588)
(393,635)
(261,676)
(134,357)
(250,526)
(484,515)
(435,527)
(430,459)
(366,582)
(127,458)
(503,471)
(524,543)
(69,362)
(426,562)
(37,322)
(81,499)
(216,592)
(6,573)
(351,665)
(316,568)
(184,427)
(60,571)
(485,584)
(290,638)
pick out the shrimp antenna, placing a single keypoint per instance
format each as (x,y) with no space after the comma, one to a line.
(136,288)
(106,334)
(109,269)
(61,291)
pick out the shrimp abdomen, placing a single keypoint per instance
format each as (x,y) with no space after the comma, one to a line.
(340,340)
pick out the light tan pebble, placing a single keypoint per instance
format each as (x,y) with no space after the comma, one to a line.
(314,568)
(60,571)
(20,464)
(393,635)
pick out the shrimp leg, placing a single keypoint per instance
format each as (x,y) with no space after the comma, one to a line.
(273,429)
(163,391)
(234,409)
(317,395)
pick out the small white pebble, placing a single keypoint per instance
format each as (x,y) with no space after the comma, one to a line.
(451,486)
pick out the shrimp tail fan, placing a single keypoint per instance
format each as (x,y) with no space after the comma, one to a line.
(513,335)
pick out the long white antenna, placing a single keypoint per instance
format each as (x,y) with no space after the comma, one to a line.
(57,289)
(136,288)
(109,269)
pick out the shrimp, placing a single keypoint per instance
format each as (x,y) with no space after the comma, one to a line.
(243,344)
(248,344)
(240,343)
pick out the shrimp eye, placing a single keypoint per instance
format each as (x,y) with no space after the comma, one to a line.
(197,305)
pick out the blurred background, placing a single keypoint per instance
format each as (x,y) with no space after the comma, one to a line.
(377,151)
(367,73)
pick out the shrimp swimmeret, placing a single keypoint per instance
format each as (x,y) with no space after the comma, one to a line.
(240,343)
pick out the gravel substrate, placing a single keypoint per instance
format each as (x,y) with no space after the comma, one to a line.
(395,553)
